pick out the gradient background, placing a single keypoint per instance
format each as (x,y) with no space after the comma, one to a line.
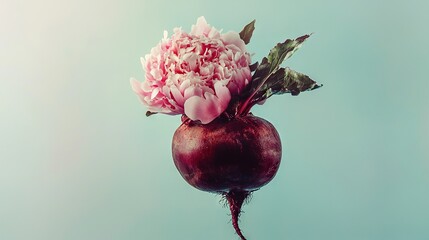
(80,161)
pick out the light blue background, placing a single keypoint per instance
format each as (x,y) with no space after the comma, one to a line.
(80,161)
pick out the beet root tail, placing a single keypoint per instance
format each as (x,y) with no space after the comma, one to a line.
(235,200)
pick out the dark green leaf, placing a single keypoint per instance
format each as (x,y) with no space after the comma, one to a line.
(149,113)
(288,81)
(283,51)
(269,78)
(266,90)
(253,66)
(295,82)
(284,80)
(246,33)
(272,62)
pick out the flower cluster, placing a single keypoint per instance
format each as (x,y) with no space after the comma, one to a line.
(194,73)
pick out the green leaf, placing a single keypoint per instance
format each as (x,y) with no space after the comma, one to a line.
(246,33)
(149,113)
(283,51)
(284,80)
(254,66)
(289,81)
(270,85)
(269,78)
(271,63)
(295,82)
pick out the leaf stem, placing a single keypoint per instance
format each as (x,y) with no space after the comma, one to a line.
(244,109)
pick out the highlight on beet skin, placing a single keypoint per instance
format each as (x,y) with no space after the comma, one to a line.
(207,77)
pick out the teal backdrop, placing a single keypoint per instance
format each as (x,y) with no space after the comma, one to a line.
(80,161)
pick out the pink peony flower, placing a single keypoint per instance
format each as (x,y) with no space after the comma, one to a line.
(194,74)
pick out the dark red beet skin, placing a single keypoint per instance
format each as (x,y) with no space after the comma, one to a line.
(232,157)
(239,154)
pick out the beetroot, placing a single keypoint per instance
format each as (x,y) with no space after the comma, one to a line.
(232,157)
(208,78)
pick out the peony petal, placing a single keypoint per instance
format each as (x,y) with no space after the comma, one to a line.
(223,94)
(145,86)
(143,62)
(234,39)
(213,34)
(208,108)
(193,91)
(233,88)
(184,85)
(177,95)
(201,70)
(154,93)
(200,27)
(136,86)
(156,74)
(204,110)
